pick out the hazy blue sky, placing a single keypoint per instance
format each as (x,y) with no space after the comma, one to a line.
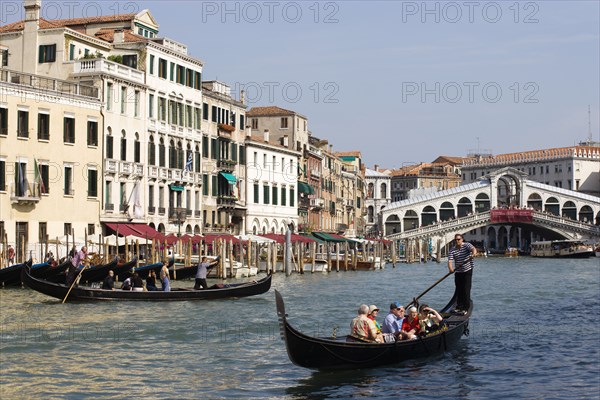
(401,81)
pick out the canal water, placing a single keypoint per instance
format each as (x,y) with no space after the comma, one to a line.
(534,334)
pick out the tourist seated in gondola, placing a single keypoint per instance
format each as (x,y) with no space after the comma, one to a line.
(363,328)
(430,319)
(137,284)
(411,324)
(151,282)
(393,321)
(373,312)
(109,281)
(126,284)
(164,279)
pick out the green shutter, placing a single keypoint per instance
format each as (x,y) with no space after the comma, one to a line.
(266,194)
(283,195)
(256,193)
(205,185)
(234,150)
(292,199)
(274,195)
(214,185)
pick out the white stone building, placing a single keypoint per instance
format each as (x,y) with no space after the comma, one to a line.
(378,196)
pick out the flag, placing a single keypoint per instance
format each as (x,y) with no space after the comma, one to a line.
(188,164)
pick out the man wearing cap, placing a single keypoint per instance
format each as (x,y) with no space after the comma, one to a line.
(393,321)
(460,261)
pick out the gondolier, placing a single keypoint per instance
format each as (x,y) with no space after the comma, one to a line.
(77,262)
(460,261)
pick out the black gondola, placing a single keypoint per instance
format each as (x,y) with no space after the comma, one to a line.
(59,291)
(144,270)
(99,272)
(11,276)
(52,271)
(347,352)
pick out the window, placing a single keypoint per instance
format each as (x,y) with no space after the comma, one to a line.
(91,229)
(4,64)
(69,130)
(92,133)
(198,81)
(23,124)
(242,122)
(162,108)
(151,197)
(205,111)
(92,183)
(122,196)
(136,103)
(197,118)
(43,126)
(197,158)
(2,175)
(292,198)
(256,194)
(234,152)
(204,184)
(274,195)
(172,72)
(162,68)
(68,184)
(214,113)
(150,106)
(205,146)
(214,148)
(162,153)
(137,150)
(123,149)
(283,195)
(254,123)
(123,99)
(45,175)
(67,228)
(151,64)
(71,52)
(47,53)
(189,122)
(242,154)
(265,193)
(214,185)
(3,121)
(109,96)
(284,123)
(130,60)
(109,147)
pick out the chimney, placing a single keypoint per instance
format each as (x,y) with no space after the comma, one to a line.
(248,131)
(376,167)
(119,36)
(266,135)
(285,142)
(30,35)
(243,97)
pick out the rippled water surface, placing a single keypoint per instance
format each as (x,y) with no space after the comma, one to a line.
(534,334)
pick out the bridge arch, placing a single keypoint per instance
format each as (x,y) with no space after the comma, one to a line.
(447,211)
(535,201)
(464,207)
(428,216)
(552,206)
(411,220)
(569,210)
(586,214)
(482,202)
(393,224)
(508,189)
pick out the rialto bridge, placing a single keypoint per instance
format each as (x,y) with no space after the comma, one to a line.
(503,209)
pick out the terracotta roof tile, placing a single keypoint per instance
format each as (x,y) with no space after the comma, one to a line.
(272,111)
(60,23)
(108,35)
(348,154)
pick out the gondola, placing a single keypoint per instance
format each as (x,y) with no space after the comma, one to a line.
(11,276)
(346,352)
(144,270)
(53,271)
(99,272)
(81,293)
(40,269)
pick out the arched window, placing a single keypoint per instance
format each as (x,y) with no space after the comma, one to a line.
(172,155)
(162,153)
(151,151)
(137,149)
(197,159)
(109,143)
(123,146)
(383,191)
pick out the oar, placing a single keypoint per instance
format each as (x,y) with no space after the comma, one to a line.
(414,300)
(73,284)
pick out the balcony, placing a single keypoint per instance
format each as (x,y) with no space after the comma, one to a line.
(226,201)
(349,203)
(27,193)
(125,168)
(151,210)
(110,166)
(46,85)
(174,174)
(317,203)
(152,172)
(163,173)
(226,165)
(138,169)
(187,176)
(315,172)
(101,65)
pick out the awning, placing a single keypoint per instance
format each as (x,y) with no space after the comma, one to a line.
(294,238)
(139,230)
(177,188)
(305,188)
(230,178)
(313,237)
(330,237)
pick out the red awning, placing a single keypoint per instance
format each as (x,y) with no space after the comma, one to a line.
(139,230)
(210,238)
(281,238)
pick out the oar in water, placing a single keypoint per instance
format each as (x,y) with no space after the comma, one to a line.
(414,300)
(73,284)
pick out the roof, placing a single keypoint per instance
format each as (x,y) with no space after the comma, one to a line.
(535,155)
(271,111)
(450,160)
(348,154)
(128,36)
(260,138)
(71,22)
(371,173)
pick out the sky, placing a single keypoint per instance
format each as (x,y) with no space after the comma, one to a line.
(401,81)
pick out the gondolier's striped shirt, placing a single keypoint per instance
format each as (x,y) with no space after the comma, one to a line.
(459,255)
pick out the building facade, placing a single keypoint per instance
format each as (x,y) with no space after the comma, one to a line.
(378,196)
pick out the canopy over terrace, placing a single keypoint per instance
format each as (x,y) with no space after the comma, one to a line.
(141,231)
(281,238)
(330,237)
(255,238)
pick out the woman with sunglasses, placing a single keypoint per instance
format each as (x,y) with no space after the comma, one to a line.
(460,261)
